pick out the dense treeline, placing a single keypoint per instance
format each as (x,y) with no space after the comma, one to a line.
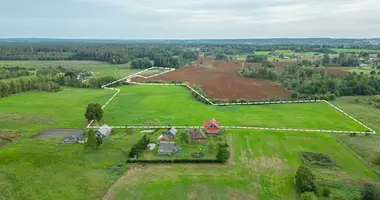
(25,84)
(163,55)
(314,82)
(13,72)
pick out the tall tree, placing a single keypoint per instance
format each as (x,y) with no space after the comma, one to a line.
(326,59)
(94,111)
(91,143)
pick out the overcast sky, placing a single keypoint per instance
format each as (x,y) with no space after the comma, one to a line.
(143,19)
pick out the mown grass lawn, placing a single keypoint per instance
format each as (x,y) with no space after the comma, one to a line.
(262,166)
(99,68)
(31,112)
(173,105)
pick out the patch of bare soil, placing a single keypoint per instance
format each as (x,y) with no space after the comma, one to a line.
(7,137)
(332,70)
(222,81)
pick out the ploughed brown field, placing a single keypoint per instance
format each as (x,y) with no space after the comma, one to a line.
(220,79)
(332,70)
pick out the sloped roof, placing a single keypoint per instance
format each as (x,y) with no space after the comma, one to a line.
(195,133)
(167,147)
(173,131)
(105,130)
(209,122)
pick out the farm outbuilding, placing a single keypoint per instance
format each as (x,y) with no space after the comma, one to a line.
(167,148)
(172,132)
(103,131)
(197,135)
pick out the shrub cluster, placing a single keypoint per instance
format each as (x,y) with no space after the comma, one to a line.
(305,180)
(317,159)
(223,153)
(139,147)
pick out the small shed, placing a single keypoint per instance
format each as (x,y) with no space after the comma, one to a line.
(212,127)
(163,138)
(167,148)
(150,146)
(172,132)
(197,135)
(103,131)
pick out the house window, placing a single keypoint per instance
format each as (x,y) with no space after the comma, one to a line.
(212,126)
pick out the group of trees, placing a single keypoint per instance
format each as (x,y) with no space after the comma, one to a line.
(256,58)
(161,60)
(139,147)
(345,60)
(141,63)
(314,83)
(24,84)
(13,72)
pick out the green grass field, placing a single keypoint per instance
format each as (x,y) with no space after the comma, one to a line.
(164,105)
(262,167)
(99,68)
(355,50)
(31,112)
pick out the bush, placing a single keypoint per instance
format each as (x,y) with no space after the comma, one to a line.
(305,180)
(376,160)
(223,155)
(308,196)
(326,192)
(369,192)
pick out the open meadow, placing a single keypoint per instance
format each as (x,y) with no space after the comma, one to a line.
(174,105)
(31,112)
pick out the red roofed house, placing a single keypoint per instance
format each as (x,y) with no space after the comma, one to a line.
(212,127)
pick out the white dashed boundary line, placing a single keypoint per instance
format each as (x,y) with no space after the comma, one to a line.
(128,80)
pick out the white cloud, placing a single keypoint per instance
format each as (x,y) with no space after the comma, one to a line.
(190,18)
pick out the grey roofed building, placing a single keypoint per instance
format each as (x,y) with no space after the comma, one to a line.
(172,132)
(103,131)
(167,148)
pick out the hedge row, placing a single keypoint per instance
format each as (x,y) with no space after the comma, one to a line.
(175,161)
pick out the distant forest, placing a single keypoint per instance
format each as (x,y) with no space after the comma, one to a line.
(163,53)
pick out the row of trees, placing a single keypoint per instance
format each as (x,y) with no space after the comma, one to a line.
(25,84)
(13,72)
(307,82)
